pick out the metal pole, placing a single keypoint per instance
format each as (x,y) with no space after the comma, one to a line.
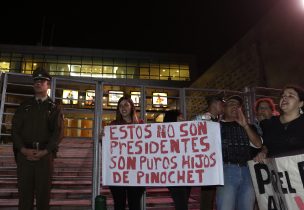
(3,100)
(96,165)
(53,88)
(248,104)
(182,102)
(143,104)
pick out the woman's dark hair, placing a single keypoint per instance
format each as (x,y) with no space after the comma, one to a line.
(171,115)
(296,88)
(133,111)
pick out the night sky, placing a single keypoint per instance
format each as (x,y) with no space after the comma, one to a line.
(206,29)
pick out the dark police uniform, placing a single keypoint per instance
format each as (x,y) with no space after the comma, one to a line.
(36,125)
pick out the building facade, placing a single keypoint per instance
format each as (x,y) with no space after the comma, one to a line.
(153,81)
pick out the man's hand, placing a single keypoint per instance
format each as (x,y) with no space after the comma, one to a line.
(241,119)
(29,153)
(40,153)
(260,157)
(101,134)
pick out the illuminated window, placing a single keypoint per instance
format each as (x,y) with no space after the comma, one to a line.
(154,72)
(97,67)
(4,66)
(86,71)
(144,73)
(135,96)
(97,71)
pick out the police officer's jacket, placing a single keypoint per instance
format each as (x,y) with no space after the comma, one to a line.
(37,122)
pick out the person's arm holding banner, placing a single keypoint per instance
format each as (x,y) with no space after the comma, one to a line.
(261,156)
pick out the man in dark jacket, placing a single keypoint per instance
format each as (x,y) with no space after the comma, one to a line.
(36,131)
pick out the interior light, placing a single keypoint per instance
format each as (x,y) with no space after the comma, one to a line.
(115,69)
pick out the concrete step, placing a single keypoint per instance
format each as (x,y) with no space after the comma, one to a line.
(57,184)
(76,171)
(72,180)
(12,171)
(71,202)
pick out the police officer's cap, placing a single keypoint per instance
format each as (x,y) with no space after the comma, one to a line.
(41,74)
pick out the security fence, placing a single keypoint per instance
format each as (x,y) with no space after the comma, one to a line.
(90,104)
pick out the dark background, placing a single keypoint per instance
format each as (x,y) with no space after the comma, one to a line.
(206,29)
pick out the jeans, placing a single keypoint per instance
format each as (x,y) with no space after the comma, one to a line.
(237,192)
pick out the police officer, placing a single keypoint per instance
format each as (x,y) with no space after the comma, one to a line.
(36,133)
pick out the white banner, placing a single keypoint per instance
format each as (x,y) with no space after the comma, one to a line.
(162,154)
(279,183)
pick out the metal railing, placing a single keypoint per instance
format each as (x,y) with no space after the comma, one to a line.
(16,87)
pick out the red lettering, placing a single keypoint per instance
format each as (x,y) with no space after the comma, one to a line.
(124,132)
(169,177)
(148,131)
(121,146)
(181,177)
(121,163)
(113,145)
(206,145)
(173,161)
(299,202)
(166,163)
(206,162)
(138,132)
(202,128)
(194,144)
(116,177)
(125,177)
(129,148)
(200,161)
(213,160)
(112,131)
(161,131)
(138,145)
(174,146)
(156,161)
(154,147)
(154,177)
(200,175)
(182,127)
(131,163)
(185,141)
(121,178)
(142,160)
(140,174)
(163,177)
(170,131)
(193,129)
(185,161)
(131,127)
(113,162)
(163,147)
(190,177)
